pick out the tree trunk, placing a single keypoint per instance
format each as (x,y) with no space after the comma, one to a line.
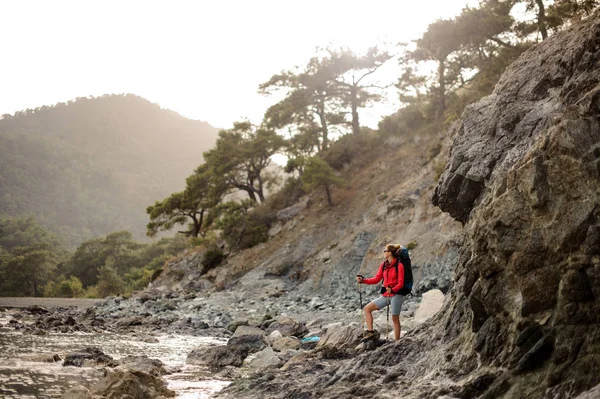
(324,131)
(250,190)
(201,221)
(354,104)
(329,201)
(442,89)
(197,224)
(541,19)
(259,191)
(252,195)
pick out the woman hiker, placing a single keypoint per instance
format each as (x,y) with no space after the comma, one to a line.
(391,271)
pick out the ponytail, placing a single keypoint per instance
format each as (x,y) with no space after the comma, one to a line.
(394,249)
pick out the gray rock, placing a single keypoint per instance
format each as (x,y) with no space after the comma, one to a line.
(289,213)
(121,383)
(36,309)
(285,343)
(217,356)
(264,359)
(145,364)
(249,343)
(593,393)
(222,321)
(274,336)
(288,327)
(87,356)
(198,323)
(235,324)
(339,336)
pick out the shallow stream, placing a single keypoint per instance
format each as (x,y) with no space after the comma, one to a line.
(22,378)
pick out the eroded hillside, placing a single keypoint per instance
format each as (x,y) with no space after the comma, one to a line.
(316,249)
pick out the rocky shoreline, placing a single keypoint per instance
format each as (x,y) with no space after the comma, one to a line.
(263,334)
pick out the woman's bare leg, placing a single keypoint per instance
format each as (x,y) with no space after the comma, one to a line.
(369,315)
(396,320)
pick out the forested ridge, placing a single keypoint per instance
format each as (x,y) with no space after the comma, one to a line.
(90,167)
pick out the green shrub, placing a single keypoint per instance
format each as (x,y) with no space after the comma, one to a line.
(92,292)
(109,281)
(213,257)
(287,196)
(156,273)
(243,225)
(350,148)
(405,121)
(411,245)
(138,278)
(65,288)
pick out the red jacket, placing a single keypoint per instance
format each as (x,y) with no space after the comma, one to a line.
(387,273)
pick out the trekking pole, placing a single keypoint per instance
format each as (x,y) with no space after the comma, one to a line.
(362,312)
(387,324)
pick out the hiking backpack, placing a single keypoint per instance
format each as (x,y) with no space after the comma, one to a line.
(404,258)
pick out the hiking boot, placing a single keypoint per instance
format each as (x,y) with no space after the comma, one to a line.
(370,335)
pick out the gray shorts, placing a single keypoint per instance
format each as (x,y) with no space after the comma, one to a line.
(396,302)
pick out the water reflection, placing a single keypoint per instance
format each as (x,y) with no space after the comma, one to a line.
(21,378)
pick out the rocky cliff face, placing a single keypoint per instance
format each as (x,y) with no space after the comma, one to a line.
(524,178)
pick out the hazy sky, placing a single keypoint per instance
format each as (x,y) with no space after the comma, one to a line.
(203,59)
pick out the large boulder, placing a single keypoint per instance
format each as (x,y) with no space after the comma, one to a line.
(285,343)
(288,327)
(87,357)
(216,356)
(248,330)
(265,359)
(121,383)
(249,343)
(341,337)
(143,363)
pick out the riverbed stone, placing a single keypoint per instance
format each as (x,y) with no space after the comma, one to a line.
(248,330)
(222,320)
(87,356)
(121,383)
(274,336)
(288,327)
(265,359)
(285,343)
(143,363)
(250,343)
(217,356)
(37,309)
(233,326)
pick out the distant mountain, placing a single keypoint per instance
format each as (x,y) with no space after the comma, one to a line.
(91,166)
